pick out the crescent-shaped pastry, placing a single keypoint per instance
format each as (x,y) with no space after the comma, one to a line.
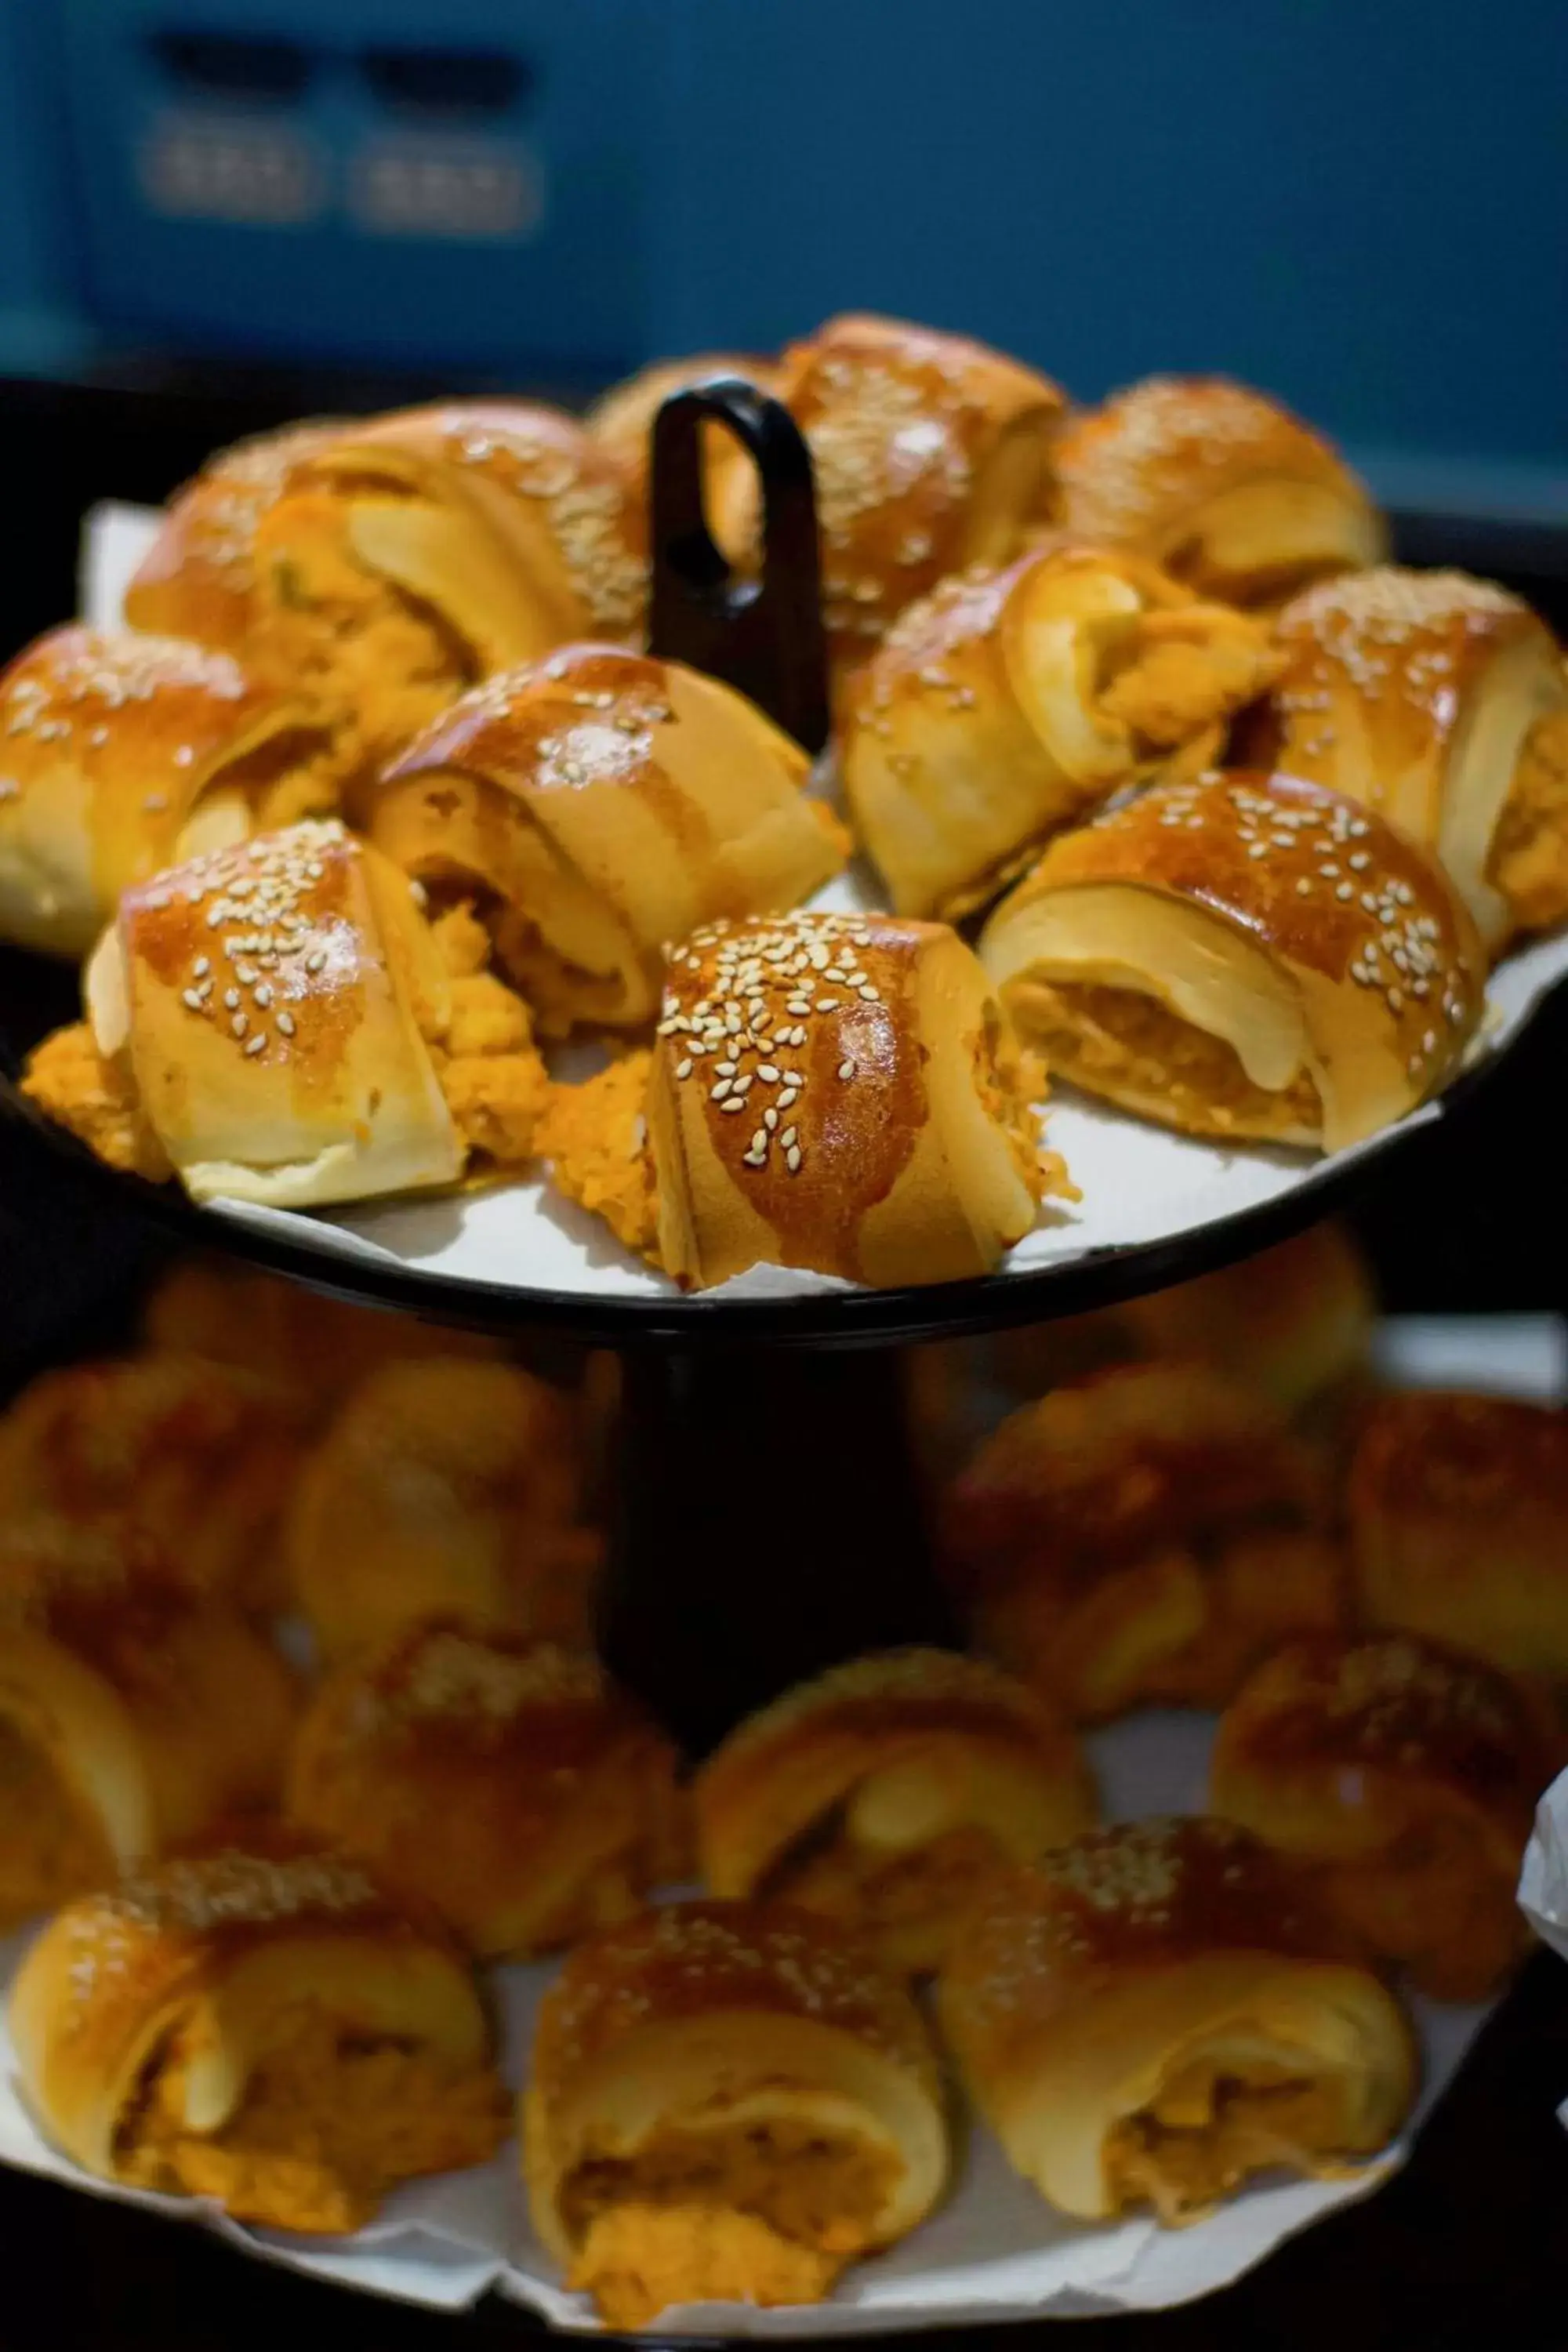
(506,1783)
(931,453)
(602,804)
(133,1716)
(1158,2010)
(1458,1520)
(489,1455)
(121,754)
(1005,704)
(1218,483)
(282,1023)
(1142,1536)
(1402,1776)
(727,2102)
(886,1791)
(1243,956)
(276,2034)
(1436,699)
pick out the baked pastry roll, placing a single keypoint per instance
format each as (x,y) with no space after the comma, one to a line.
(727,2102)
(416,553)
(282,1024)
(930,452)
(1423,694)
(1006,702)
(1218,483)
(603,804)
(311,1349)
(839,1092)
(506,1783)
(133,1716)
(274,2033)
(1295,1322)
(1402,1776)
(1158,2010)
(443,1487)
(1458,1520)
(160,1457)
(622,419)
(886,1791)
(1142,1536)
(121,755)
(1243,956)
(198,579)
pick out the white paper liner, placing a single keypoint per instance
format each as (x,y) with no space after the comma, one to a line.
(1140,1183)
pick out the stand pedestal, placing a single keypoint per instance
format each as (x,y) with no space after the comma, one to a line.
(767,1522)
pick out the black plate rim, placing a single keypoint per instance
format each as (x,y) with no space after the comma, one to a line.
(856,1319)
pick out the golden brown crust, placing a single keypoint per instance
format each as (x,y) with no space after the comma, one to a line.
(1006,701)
(162,1459)
(839,1092)
(689,1960)
(198,578)
(607,803)
(930,452)
(279,1004)
(1405,1774)
(1458,1514)
(111,742)
(1376,964)
(884,1791)
(1295,1320)
(1154,465)
(505,1782)
(495,1453)
(1414,692)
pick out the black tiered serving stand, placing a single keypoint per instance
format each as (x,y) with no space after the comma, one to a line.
(768,1519)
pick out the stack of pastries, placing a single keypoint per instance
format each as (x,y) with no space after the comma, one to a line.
(378,800)
(270,1887)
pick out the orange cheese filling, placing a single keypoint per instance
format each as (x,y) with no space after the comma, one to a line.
(1206,2131)
(95,1100)
(327,2125)
(1186,671)
(1120,1042)
(762,2213)
(49,1849)
(1529,862)
(595,1137)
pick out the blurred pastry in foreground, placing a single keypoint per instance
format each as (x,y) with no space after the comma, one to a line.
(312,1348)
(1142,1536)
(727,2102)
(1441,702)
(1295,1321)
(197,580)
(282,1024)
(1246,957)
(839,1092)
(1005,704)
(506,1783)
(413,555)
(1402,1776)
(599,804)
(1458,1521)
(125,753)
(930,453)
(444,1488)
(886,1791)
(1153,2014)
(1218,483)
(621,420)
(275,2034)
(164,1458)
(133,1717)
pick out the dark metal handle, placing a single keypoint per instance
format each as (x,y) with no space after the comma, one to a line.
(764,637)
